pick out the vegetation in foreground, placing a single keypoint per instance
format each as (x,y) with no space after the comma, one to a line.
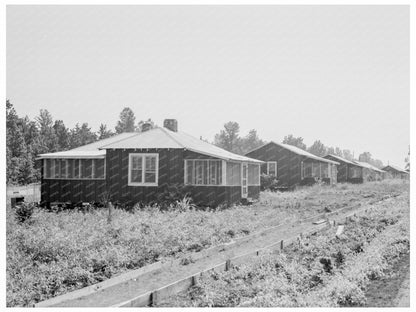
(49,254)
(321,270)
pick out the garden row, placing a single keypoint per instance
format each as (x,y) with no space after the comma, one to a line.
(53,253)
(321,270)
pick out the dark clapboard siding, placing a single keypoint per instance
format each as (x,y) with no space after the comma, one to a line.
(171,171)
(72,190)
(288,162)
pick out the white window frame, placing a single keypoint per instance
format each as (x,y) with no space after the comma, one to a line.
(275,166)
(66,160)
(222,164)
(143,155)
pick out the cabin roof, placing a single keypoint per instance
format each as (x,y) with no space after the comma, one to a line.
(343,160)
(155,138)
(368,166)
(298,151)
(164,138)
(89,150)
(395,168)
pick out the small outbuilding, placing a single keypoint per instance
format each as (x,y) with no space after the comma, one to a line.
(136,167)
(348,171)
(393,172)
(294,166)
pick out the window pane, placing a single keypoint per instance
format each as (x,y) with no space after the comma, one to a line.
(136,176)
(189,171)
(316,169)
(233,173)
(219,172)
(136,162)
(199,172)
(99,168)
(150,177)
(253,174)
(76,168)
(86,168)
(307,169)
(57,168)
(150,163)
(213,172)
(48,165)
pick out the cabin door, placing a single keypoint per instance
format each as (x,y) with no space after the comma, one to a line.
(244,180)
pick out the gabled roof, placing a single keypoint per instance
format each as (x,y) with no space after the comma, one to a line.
(298,151)
(395,168)
(343,160)
(164,138)
(89,150)
(368,166)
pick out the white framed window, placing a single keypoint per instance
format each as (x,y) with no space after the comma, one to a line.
(143,169)
(203,172)
(272,168)
(74,169)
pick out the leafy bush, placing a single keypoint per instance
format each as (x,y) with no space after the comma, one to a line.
(24,211)
(172,195)
(268,182)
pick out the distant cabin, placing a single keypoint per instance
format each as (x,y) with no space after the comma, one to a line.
(393,172)
(294,166)
(135,167)
(348,170)
(370,172)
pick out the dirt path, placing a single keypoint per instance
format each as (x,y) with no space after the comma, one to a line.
(393,290)
(174,271)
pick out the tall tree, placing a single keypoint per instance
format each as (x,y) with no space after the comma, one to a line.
(318,148)
(81,135)
(228,138)
(347,154)
(126,122)
(147,122)
(48,141)
(62,135)
(250,141)
(291,140)
(365,157)
(103,133)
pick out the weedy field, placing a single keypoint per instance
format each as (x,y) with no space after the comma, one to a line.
(53,253)
(320,270)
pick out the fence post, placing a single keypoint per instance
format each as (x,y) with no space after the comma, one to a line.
(281,244)
(227,264)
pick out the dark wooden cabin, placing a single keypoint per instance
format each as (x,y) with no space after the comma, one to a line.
(370,172)
(394,172)
(135,168)
(294,166)
(348,171)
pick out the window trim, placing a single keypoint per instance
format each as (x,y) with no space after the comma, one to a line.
(53,169)
(275,164)
(143,155)
(185,175)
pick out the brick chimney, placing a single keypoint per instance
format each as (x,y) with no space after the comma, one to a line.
(171,124)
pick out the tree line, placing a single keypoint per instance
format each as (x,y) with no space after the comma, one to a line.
(26,139)
(229,139)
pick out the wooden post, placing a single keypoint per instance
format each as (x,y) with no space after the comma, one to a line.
(110,212)
(227,264)
(281,244)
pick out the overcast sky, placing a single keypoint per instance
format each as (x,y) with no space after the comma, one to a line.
(339,74)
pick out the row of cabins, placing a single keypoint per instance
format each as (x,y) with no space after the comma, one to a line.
(132,168)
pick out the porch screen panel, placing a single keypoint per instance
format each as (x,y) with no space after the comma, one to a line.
(253,174)
(203,172)
(307,169)
(86,165)
(233,173)
(324,170)
(99,168)
(316,169)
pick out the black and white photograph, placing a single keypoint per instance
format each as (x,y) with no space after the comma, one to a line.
(180,155)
